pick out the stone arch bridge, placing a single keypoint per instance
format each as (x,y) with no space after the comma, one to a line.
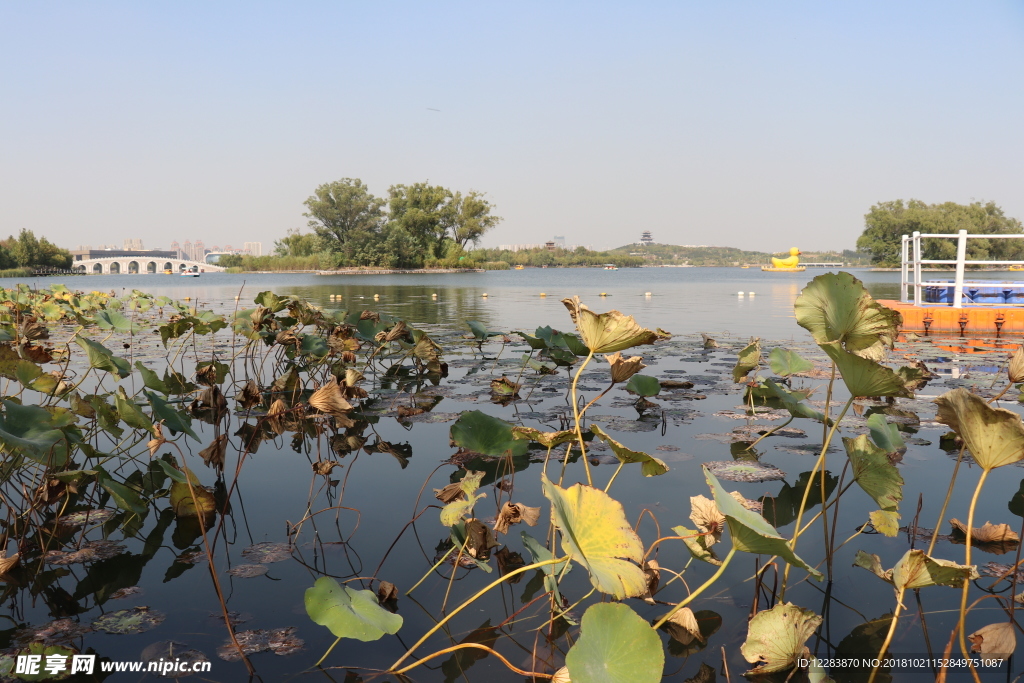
(140,264)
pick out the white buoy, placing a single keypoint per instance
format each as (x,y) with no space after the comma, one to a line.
(543,294)
(750,294)
(647,294)
(434,295)
(332,297)
(484,295)
(604,293)
(739,294)
(376,297)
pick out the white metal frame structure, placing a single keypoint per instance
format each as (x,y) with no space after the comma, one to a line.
(910,270)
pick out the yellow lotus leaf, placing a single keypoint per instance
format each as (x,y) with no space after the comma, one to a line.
(607,332)
(994,640)
(994,436)
(596,534)
(1016,367)
(330,399)
(705,514)
(623,368)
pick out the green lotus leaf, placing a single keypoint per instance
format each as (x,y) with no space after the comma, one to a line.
(552,572)
(835,307)
(864,377)
(885,434)
(174,420)
(879,478)
(536,343)
(33,432)
(776,637)
(453,512)
(480,330)
(126,497)
(482,433)
(109,319)
(270,300)
(102,358)
(1016,504)
(607,332)
(616,645)
(596,534)
(184,504)
(784,362)
(130,413)
(750,532)
(749,359)
(643,385)
(791,402)
(651,466)
(994,436)
(349,613)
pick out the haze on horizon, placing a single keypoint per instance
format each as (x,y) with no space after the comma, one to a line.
(747,124)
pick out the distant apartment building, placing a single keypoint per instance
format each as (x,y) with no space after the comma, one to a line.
(253,248)
(176,248)
(133,245)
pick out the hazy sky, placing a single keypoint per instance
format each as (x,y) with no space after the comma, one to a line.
(754,124)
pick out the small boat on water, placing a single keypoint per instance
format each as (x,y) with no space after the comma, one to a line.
(1016,268)
(189,273)
(520,267)
(610,266)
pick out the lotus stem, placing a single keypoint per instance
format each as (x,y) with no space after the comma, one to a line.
(536,565)
(945,503)
(769,433)
(967,561)
(476,646)
(888,636)
(820,462)
(576,417)
(617,470)
(714,577)
(321,660)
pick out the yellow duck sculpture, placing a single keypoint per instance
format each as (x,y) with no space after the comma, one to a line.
(790,263)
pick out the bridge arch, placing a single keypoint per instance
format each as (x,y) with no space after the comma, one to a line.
(133,267)
(114,268)
(151,267)
(168,266)
(97,268)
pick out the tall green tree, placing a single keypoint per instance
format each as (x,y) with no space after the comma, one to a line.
(427,213)
(27,250)
(887,222)
(341,209)
(472,218)
(297,243)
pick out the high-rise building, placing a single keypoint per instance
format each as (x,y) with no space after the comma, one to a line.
(134,244)
(176,248)
(198,251)
(186,250)
(253,248)
(228,247)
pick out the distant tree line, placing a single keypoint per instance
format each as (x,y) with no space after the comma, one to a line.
(416,226)
(887,222)
(539,257)
(28,251)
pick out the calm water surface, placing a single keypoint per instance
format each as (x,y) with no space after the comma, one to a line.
(380,495)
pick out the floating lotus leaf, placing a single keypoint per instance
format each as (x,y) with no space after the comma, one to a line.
(885,434)
(744,470)
(124,621)
(615,645)
(607,332)
(879,478)
(247,571)
(864,377)
(994,436)
(280,641)
(994,538)
(651,466)
(784,362)
(169,650)
(917,570)
(481,433)
(546,439)
(480,330)
(750,532)
(776,637)
(183,503)
(267,552)
(349,613)
(835,307)
(643,385)
(596,534)
(995,640)
(749,359)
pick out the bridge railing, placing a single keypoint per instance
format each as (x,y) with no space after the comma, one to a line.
(911,262)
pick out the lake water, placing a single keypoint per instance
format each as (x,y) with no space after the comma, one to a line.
(366,526)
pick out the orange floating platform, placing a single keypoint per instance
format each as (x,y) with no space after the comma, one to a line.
(983,320)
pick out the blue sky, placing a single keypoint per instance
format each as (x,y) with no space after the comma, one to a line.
(750,124)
